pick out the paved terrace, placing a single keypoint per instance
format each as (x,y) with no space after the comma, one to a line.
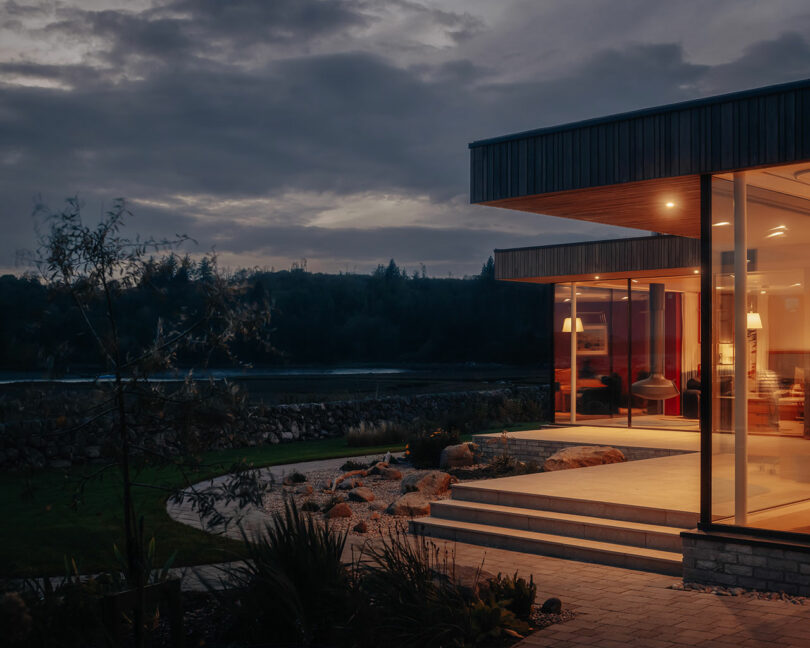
(615,607)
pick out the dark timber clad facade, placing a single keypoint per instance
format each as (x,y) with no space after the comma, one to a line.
(740,130)
(630,255)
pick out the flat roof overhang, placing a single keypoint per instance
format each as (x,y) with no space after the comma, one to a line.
(629,258)
(624,169)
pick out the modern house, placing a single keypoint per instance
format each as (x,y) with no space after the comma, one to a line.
(689,347)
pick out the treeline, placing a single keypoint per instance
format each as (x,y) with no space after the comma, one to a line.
(386,317)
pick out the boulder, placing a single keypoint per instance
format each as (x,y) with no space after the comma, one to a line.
(375,515)
(390,473)
(376,505)
(361,494)
(458,456)
(582,456)
(410,504)
(339,510)
(360,527)
(551,606)
(430,483)
(349,484)
(304,489)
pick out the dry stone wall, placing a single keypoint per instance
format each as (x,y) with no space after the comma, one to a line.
(39,428)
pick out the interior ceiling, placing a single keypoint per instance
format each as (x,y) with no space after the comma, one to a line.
(640,288)
(668,205)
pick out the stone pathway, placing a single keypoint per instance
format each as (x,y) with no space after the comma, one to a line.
(615,607)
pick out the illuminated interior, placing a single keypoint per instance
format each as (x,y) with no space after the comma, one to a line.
(761,466)
(613,351)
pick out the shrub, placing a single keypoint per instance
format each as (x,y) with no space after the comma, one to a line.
(293,586)
(297,477)
(515,593)
(310,506)
(425,449)
(368,433)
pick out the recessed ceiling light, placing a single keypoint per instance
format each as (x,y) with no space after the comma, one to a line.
(624,298)
(762,292)
(776,233)
(778,227)
(795,285)
(596,277)
(670,204)
(721,223)
(696,271)
(635,280)
(567,299)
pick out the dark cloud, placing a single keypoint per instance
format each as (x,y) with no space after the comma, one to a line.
(257,100)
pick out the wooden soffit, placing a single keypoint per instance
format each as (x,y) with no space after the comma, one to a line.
(641,205)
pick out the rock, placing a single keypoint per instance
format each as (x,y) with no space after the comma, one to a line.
(339,510)
(349,484)
(582,456)
(360,527)
(375,515)
(410,504)
(361,494)
(391,474)
(304,489)
(377,505)
(458,456)
(551,606)
(377,468)
(430,483)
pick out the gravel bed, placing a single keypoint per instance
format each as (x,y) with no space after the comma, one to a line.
(720,590)
(377,521)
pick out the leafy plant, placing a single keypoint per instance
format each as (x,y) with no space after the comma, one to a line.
(515,593)
(149,422)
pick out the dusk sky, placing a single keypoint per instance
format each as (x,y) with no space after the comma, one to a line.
(337,131)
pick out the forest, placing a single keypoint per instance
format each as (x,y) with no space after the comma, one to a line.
(321,319)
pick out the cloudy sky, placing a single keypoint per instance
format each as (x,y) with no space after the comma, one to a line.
(337,130)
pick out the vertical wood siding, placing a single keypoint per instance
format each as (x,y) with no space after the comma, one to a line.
(598,257)
(769,126)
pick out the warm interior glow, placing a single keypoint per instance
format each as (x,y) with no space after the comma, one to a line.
(567,325)
(754,321)
(670,204)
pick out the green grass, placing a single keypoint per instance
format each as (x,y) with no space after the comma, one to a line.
(39,527)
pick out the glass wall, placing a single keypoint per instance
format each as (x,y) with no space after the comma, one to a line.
(614,350)
(761,348)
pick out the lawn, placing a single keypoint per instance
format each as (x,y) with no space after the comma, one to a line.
(40,528)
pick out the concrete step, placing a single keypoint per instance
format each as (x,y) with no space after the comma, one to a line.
(608,553)
(478,492)
(634,534)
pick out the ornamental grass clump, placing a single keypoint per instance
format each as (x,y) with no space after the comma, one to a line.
(414,598)
(293,586)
